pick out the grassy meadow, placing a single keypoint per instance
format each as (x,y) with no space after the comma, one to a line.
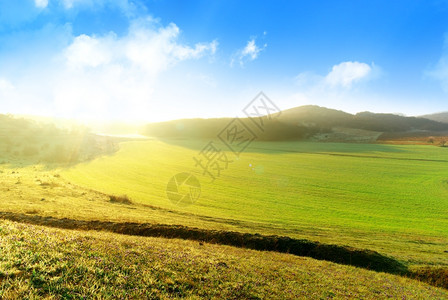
(390,198)
(387,198)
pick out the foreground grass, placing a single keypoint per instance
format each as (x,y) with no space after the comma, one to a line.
(39,262)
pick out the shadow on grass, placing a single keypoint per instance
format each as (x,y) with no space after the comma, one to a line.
(339,254)
(362,258)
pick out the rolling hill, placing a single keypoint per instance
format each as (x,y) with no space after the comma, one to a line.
(27,141)
(301,123)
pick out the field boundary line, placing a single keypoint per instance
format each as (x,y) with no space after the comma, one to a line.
(351,155)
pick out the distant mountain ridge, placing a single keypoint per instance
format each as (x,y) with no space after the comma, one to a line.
(384,122)
(439,117)
(301,123)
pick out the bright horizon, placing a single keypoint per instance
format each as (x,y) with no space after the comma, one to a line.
(131,60)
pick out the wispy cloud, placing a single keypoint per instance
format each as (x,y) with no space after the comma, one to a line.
(251,50)
(249,53)
(41,3)
(440,71)
(88,51)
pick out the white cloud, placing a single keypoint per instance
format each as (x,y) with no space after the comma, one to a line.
(41,3)
(346,73)
(341,77)
(196,52)
(155,50)
(251,50)
(104,73)
(86,51)
(249,53)
(106,76)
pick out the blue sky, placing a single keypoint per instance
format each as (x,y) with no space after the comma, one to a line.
(165,59)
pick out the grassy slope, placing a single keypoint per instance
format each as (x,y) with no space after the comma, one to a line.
(322,188)
(43,262)
(387,198)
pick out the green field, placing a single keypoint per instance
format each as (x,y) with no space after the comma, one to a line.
(388,198)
